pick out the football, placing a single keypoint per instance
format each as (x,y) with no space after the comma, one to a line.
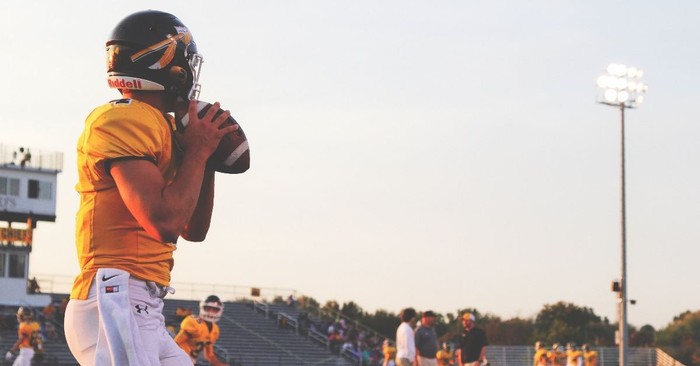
(232,155)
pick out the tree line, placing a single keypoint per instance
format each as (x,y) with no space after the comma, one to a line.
(555,323)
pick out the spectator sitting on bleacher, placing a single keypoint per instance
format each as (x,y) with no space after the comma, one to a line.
(33,286)
(353,348)
(50,330)
(303,321)
(49,311)
(62,309)
(334,341)
(291,301)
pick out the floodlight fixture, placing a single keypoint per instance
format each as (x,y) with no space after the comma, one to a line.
(621,86)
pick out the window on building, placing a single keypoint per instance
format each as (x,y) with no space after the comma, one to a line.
(17,265)
(9,186)
(3,257)
(39,189)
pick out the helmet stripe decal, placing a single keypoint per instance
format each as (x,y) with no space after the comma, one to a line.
(169,44)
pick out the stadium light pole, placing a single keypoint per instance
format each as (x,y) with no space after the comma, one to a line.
(620,87)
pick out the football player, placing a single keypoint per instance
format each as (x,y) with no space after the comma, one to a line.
(142,185)
(445,356)
(389,353)
(24,339)
(556,356)
(590,357)
(540,357)
(574,357)
(199,333)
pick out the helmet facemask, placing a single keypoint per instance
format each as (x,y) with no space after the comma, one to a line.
(211,309)
(195,61)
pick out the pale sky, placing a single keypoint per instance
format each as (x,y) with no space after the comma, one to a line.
(440,155)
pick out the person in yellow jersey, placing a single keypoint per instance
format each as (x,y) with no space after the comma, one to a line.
(540,358)
(24,339)
(198,334)
(37,341)
(556,356)
(142,185)
(574,357)
(590,357)
(389,353)
(445,356)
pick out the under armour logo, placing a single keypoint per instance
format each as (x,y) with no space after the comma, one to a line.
(141,307)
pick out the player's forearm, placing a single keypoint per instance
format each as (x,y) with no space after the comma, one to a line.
(15,347)
(200,221)
(180,198)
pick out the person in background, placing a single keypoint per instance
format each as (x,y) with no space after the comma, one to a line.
(445,356)
(405,339)
(389,353)
(574,357)
(426,340)
(540,357)
(590,357)
(198,334)
(556,356)
(25,339)
(472,343)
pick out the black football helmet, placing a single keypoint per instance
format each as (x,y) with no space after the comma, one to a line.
(154,50)
(211,309)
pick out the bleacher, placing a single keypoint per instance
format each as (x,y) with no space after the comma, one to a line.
(56,351)
(247,338)
(252,335)
(251,338)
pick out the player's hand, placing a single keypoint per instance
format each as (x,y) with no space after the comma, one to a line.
(9,355)
(203,134)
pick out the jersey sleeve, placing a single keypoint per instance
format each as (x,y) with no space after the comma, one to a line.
(189,325)
(187,329)
(123,133)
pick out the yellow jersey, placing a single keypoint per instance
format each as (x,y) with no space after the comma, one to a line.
(556,358)
(445,358)
(195,336)
(24,334)
(590,358)
(540,358)
(572,357)
(389,352)
(107,234)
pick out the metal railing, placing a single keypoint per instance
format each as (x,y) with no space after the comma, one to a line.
(663,359)
(290,321)
(320,338)
(59,284)
(25,157)
(607,356)
(261,307)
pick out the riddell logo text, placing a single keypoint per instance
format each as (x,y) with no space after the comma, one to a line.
(124,83)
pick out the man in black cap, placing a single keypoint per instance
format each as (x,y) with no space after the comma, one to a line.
(426,340)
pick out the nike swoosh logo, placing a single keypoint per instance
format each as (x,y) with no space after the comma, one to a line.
(107,278)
